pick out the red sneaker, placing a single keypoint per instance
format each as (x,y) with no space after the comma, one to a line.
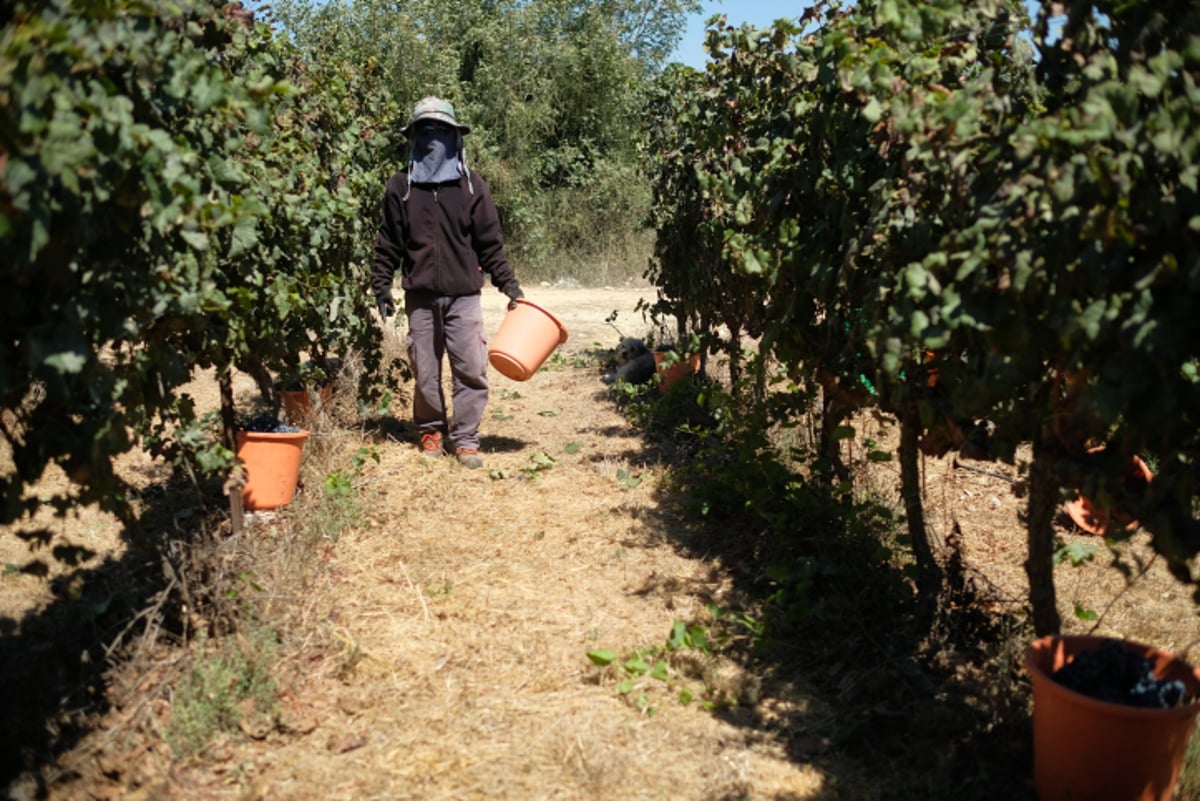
(431,444)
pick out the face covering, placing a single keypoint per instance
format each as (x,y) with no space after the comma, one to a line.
(435,158)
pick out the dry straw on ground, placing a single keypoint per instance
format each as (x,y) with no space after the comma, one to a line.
(437,648)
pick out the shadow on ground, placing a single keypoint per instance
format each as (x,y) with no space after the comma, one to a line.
(51,669)
(403,432)
(933,716)
(54,660)
(821,612)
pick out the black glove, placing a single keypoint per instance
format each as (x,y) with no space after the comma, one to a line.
(513,293)
(385,304)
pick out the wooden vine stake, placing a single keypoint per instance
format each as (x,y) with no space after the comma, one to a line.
(237,476)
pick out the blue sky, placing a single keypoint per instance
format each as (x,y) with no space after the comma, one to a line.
(759,13)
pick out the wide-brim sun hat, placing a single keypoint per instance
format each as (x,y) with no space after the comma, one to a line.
(434,108)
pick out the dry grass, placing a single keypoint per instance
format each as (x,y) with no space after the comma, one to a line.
(429,632)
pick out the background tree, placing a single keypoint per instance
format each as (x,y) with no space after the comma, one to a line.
(553,92)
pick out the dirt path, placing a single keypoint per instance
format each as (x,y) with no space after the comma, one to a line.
(464,611)
(440,651)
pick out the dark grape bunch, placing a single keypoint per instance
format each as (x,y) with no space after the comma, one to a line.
(1115,674)
(267,423)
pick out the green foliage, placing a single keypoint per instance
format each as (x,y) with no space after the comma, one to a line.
(1076,553)
(551,91)
(228,687)
(562,361)
(683,666)
(180,191)
(630,479)
(539,462)
(339,504)
(695,408)
(898,194)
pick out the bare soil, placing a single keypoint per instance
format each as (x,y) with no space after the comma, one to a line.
(439,648)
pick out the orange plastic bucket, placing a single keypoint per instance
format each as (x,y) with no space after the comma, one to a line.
(272,463)
(1085,749)
(527,337)
(1094,520)
(669,376)
(298,403)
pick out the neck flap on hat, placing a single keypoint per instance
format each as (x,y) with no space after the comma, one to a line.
(436,157)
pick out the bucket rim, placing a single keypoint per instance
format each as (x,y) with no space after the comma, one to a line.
(269,436)
(562,331)
(1047,643)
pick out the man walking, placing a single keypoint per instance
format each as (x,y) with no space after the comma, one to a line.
(440,228)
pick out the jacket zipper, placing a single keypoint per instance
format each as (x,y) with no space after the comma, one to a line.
(437,256)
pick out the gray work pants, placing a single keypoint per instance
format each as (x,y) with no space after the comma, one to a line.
(448,326)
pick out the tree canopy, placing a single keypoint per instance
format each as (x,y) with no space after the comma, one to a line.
(554,91)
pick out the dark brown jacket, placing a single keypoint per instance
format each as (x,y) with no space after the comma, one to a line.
(443,239)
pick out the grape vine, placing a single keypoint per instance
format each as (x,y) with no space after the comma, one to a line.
(179,191)
(977,218)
